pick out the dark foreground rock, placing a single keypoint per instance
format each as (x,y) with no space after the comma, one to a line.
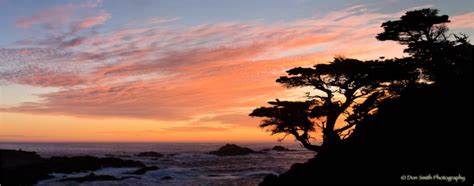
(150,154)
(24,168)
(144,170)
(166,178)
(93,177)
(86,163)
(21,167)
(232,150)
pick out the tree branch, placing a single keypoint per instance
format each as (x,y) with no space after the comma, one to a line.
(304,141)
(342,129)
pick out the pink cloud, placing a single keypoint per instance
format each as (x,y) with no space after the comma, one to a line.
(24,52)
(462,21)
(27,66)
(54,16)
(50,17)
(161,20)
(95,20)
(73,42)
(46,79)
(60,25)
(183,73)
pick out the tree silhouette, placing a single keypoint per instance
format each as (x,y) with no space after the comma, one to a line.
(344,87)
(439,56)
(409,116)
(351,90)
(418,29)
(289,117)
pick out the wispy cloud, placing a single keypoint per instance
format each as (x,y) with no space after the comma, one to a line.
(58,26)
(462,21)
(88,22)
(161,20)
(55,16)
(180,72)
(197,129)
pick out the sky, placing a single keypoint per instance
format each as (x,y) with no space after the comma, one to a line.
(153,70)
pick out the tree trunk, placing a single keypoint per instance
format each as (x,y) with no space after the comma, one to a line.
(309,146)
(330,137)
(304,141)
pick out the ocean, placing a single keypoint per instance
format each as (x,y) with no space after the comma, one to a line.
(186,163)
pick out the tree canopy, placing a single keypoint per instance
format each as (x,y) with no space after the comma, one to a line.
(351,90)
(416,29)
(439,55)
(345,87)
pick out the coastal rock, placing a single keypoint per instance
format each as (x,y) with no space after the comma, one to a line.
(150,154)
(144,170)
(13,158)
(232,150)
(280,148)
(86,163)
(26,168)
(93,177)
(21,167)
(277,148)
(166,178)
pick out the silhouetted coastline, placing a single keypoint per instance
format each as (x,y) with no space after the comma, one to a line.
(172,167)
(23,167)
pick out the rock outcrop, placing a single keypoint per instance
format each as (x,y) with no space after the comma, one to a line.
(150,154)
(144,170)
(93,177)
(232,150)
(26,168)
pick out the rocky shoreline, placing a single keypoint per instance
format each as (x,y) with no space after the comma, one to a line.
(25,168)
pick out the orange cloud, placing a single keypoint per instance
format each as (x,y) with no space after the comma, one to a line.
(196,129)
(211,73)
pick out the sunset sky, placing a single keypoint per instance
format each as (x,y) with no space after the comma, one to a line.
(150,70)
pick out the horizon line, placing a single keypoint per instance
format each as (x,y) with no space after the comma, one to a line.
(272,141)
